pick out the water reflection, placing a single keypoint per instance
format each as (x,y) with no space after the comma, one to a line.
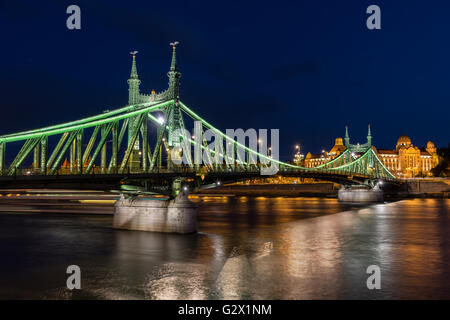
(247,248)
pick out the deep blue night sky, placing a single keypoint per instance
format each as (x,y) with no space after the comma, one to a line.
(306,67)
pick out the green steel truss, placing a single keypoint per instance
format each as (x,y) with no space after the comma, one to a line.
(95,145)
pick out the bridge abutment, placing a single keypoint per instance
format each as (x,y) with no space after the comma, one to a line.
(178,215)
(360,194)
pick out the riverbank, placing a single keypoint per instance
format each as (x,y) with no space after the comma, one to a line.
(414,188)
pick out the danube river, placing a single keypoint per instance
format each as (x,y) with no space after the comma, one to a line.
(246,248)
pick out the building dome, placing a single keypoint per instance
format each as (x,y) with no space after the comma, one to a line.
(430,145)
(404,140)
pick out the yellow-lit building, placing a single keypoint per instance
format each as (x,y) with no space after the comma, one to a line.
(314,160)
(405,161)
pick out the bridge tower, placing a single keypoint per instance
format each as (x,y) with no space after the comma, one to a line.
(173,111)
(369,192)
(174,120)
(133,98)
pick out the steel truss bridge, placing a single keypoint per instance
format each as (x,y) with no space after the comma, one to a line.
(130,149)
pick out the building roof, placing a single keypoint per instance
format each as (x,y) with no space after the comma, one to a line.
(404,140)
(386,151)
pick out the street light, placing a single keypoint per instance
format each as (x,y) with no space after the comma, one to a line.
(161,120)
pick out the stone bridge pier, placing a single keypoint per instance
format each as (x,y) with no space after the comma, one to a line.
(360,194)
(177,215)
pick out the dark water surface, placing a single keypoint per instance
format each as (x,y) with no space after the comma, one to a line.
(247,248)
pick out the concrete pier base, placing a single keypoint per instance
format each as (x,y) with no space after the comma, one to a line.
(360,194)
(175,216)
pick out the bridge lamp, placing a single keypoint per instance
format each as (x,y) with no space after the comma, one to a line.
(218,183)
(185,188)
(161,120)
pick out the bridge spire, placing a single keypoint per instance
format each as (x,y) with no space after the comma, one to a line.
(369,137)
(173,65)
(347,138)
(133,82)
(175,120)
(174,75)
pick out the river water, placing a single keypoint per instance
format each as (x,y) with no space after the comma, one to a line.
(246,248)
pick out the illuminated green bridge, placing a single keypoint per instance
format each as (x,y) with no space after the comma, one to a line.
(131,149)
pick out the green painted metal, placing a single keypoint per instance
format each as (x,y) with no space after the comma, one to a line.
(61,154)
(2,156)
(122,132)
(100,145)
(103,154)
(44,141)
(90,145)
(36,157)
(145,148)
(73,151)
(159,140)
(56,150)
(114,148)
(23,153)
(79,152)
(104,115)
(145,107)
(135,131)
